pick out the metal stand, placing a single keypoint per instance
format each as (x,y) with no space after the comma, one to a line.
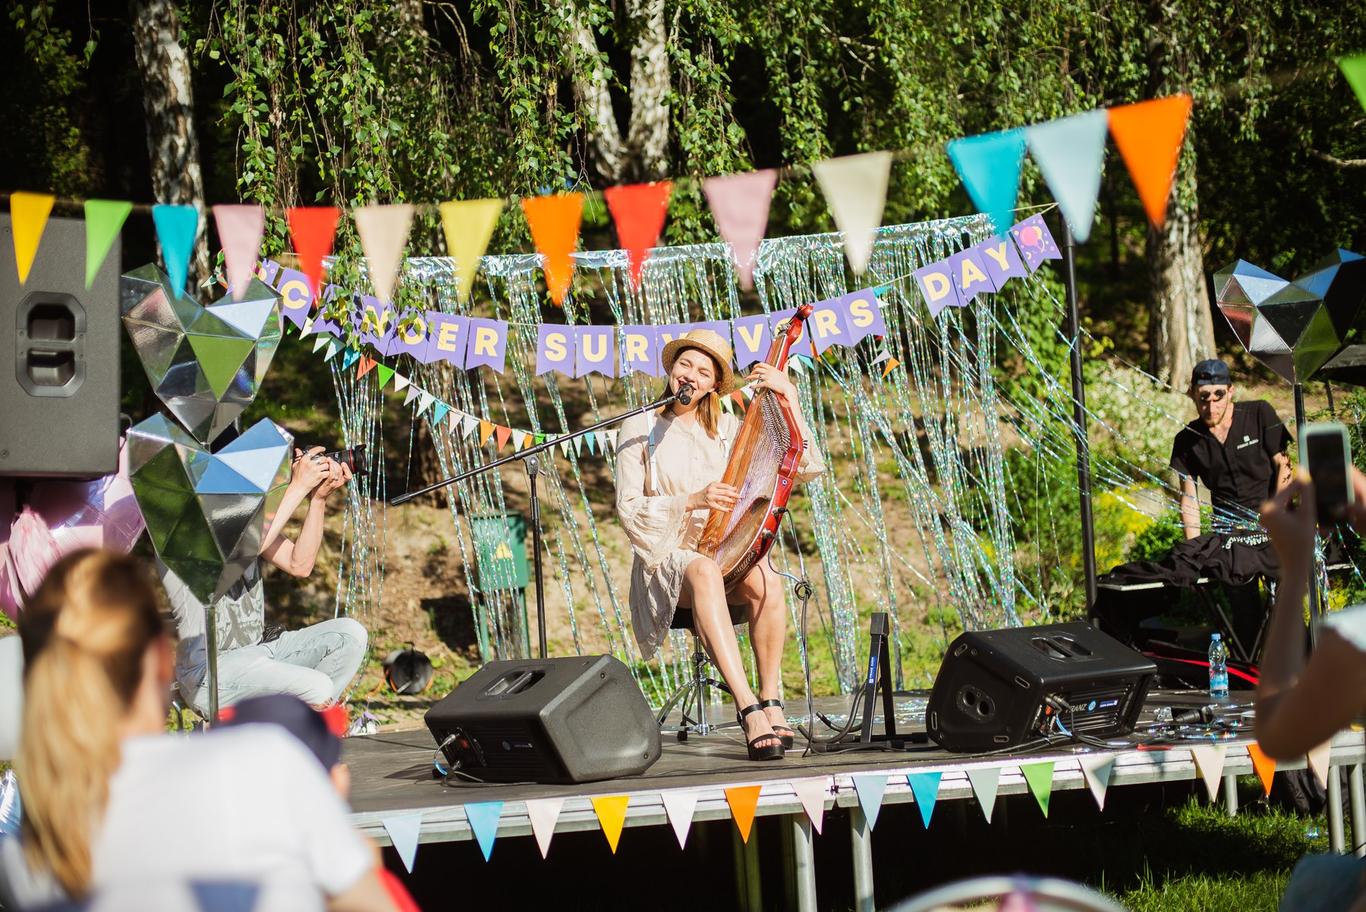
(1088,532)
(211,646)
(695,690)
(1315,585)
(528,458)
(876,682)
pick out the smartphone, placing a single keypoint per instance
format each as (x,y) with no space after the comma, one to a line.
(1326,452)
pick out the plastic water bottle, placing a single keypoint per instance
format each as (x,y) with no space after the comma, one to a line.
(1218,668)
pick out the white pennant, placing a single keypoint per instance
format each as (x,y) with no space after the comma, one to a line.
(1209,760)
(468,425)
(413,393)
(1318,761)
(679,805)
(424,402)
(1097,771)
(985,780)
(403,831)
(543,812)
(811,793)
(855,188)
(453,420)
(383,234)
(401,383)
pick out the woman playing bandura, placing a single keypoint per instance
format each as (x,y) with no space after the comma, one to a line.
(669,466)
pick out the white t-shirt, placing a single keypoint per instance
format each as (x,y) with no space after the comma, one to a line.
(247,804)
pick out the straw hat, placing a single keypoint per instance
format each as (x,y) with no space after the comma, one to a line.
(711,342)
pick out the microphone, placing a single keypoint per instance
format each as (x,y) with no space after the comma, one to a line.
(685,393)
(1194,716)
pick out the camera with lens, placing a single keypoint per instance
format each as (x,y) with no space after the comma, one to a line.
(353,458)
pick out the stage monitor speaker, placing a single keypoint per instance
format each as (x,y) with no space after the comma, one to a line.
(1000,688)
(576,719)
(59,358)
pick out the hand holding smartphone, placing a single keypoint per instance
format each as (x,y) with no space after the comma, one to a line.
(1326,451)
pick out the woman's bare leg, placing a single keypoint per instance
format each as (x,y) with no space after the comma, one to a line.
(762,591)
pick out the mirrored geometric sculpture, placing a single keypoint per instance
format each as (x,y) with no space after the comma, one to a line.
(1238,289)
(204,363)
(206,512)
(1344,298)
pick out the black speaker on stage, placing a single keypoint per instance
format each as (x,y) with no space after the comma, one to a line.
(59,358)
(1000,688)
(576,719)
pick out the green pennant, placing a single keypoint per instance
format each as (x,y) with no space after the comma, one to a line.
(103,222)
(1354,68)
(1039,778)
(385,374)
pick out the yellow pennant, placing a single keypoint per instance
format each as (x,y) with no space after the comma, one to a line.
(28,214)
(611,811)
(468,225)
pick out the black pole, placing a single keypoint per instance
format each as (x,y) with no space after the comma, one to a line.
(1088,530)
(532,471)
(1315,596)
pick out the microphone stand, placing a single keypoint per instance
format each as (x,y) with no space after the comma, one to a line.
(529,459)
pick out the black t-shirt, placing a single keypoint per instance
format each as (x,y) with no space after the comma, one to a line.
(1238,472)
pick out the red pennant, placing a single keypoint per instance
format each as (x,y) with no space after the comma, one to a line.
(554,222)
(312,230)
(639,210)
(366,365)
(501,434)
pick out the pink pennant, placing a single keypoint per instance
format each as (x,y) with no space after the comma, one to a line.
(739,203)
(638,211)
(240,228)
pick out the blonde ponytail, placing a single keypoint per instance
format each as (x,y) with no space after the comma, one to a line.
(85,633)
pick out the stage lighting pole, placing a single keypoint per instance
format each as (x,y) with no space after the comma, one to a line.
(1088,530)
(1315,591)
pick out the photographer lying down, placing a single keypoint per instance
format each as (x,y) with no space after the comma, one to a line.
(315,664)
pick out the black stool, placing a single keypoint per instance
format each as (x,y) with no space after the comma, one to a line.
(695,691)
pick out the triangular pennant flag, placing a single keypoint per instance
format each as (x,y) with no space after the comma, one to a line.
(1354,68)
(679,805)
(403,830)
(401,383)
(424,402)
(501,434)
(333,349)
(611,811)
(1209,761)
(892,364)
(870,789)
(350,358)
(1070,153)
(925,788)
(1318,760)
(554,222)
(638,211)
(383,234)
(312,229)
(989,166)
(176,227)
(743,799)
(485,431)
(739,204)
(320,343)
(385,374)
(454,420)
(483,819)
(1149,136)
(855,189)
(1097,772)
(413,393)
(439,411)
(28,214)
(365,365)
(468,225)
(566,447)
(811,793)
(543,812)
(103,221)
(470,424)
(240,229)
(984,781)
(1263,764)
(1039,778)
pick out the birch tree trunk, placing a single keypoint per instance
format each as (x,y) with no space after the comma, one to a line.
(168,101)
(1181,324)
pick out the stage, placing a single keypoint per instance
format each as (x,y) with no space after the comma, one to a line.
(393,777)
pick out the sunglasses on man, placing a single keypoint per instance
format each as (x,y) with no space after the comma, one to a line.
(1213,395)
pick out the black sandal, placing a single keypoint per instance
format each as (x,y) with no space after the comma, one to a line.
(791,737)
(768,752)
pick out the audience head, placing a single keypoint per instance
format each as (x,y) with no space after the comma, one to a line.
(320,732)
(97,668)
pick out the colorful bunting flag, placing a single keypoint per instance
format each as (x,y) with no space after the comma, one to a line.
(1070,153)
(1209,762)
(103,221)
(1149,136)
(240,229)
(485,431)
(989,166)
(855,189)
(403,830)
(638,211)
(1264,764)
(1354,69)
(501,435)
(385,374)
(554,221)
(892,364)
(543,813)
(365,365)
(468,226)
(413,393)
(1319,761)
(312,229)
(743,800)
(176,226)
(985,780)
(679,805)
(611,811)
(870,789)
(1035,242)
(483,819)
(439,412)
(739,204)
(400,383)
(925,788)
(812,793)
(1097,772)
(1039,778)
(383,234)
(28,214)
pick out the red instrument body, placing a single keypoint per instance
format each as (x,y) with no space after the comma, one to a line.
(763,467)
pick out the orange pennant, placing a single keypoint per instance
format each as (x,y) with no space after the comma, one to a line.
(485,432)
(1149,136)
(611,811)
(312,229)
(554,222)
(743,799)
(366,365)
(1264,765)
(501,434)
(638,210)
